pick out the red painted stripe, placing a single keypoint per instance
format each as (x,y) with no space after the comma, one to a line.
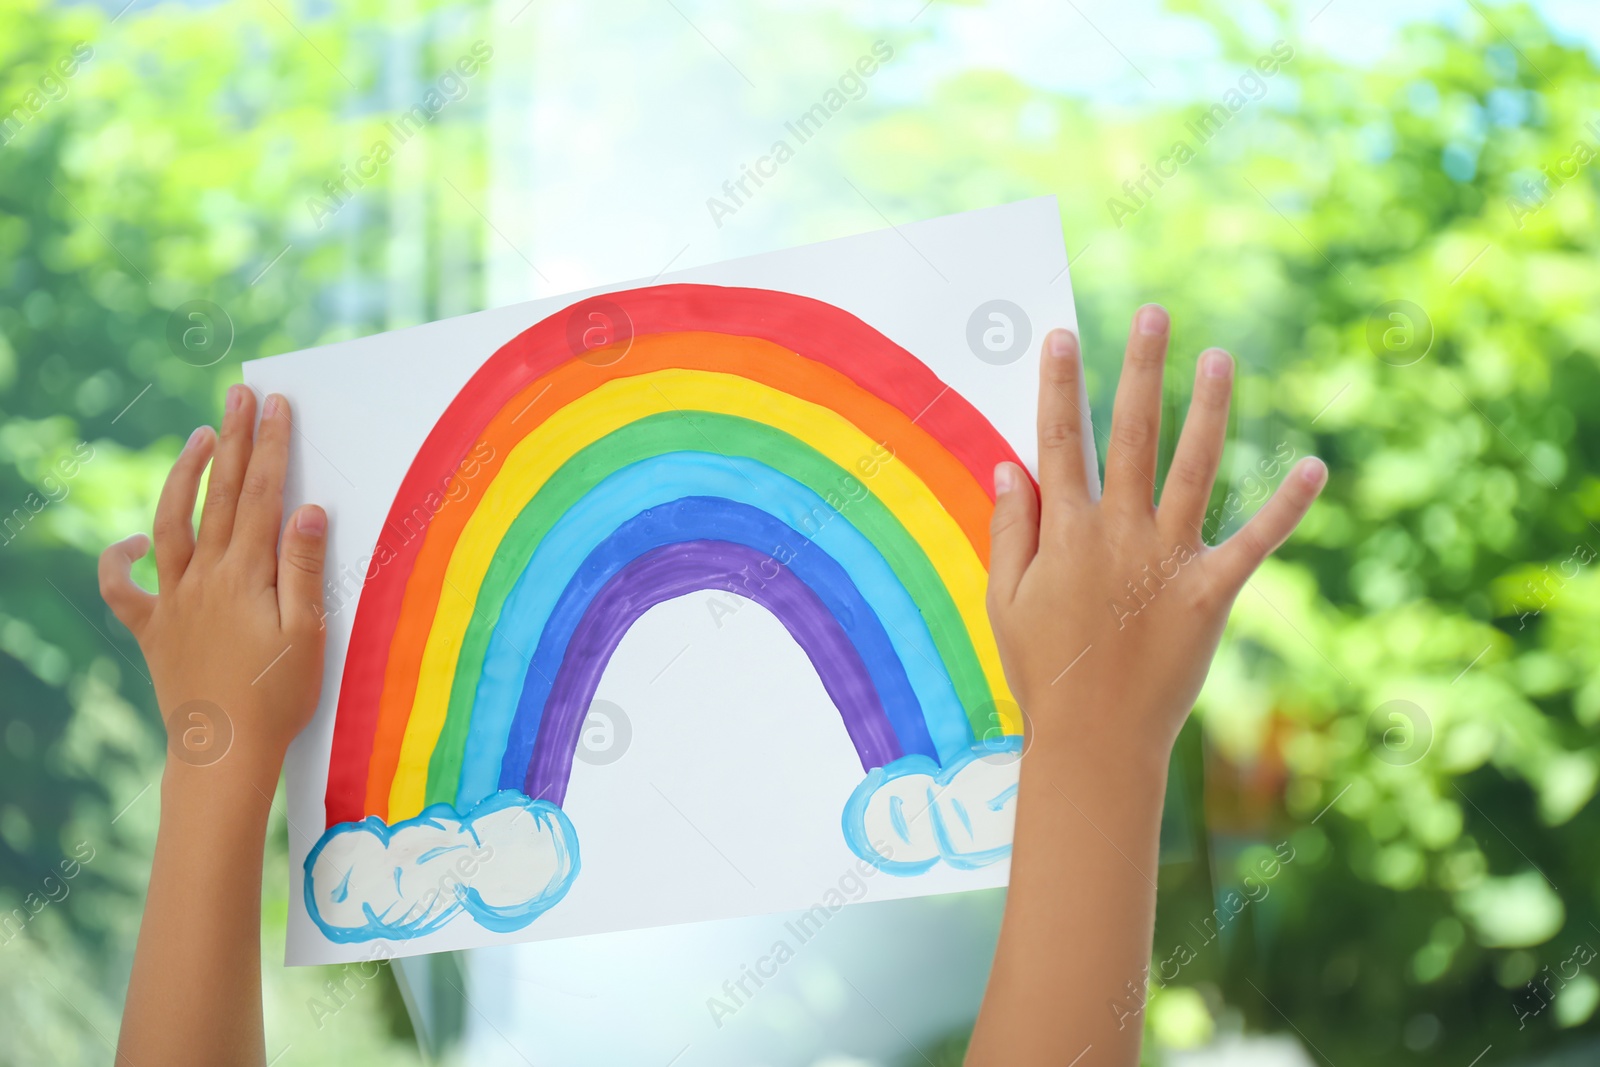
(811,328)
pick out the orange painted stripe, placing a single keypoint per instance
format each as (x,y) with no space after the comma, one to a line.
(967,501)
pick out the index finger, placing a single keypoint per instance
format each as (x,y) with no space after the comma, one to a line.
(1067,471)
(174,523)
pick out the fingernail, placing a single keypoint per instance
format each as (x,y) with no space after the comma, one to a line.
(271,407)
(1217,363)
(312,521)
(1153,319)
(1004,480)
(1061,343)
(235,398)
(194,438)
(1314,471)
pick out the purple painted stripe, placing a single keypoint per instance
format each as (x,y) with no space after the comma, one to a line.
(677,570)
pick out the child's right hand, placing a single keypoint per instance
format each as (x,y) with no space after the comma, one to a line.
(1107,613)
(237,626)
(1108,610)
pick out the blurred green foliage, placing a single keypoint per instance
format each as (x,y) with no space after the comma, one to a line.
(1442,859)
(172,165)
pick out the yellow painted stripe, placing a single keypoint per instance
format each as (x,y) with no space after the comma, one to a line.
(610,407)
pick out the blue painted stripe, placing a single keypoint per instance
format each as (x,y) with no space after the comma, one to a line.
(651,483)
(690,519)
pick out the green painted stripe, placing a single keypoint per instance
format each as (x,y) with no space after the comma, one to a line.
(728,435)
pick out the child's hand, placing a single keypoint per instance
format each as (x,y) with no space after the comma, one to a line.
(1108,611)
(237,627)
(234,644)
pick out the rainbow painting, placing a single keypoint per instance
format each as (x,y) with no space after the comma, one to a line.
(634,448)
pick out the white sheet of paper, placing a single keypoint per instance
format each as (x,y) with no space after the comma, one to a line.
(727,800)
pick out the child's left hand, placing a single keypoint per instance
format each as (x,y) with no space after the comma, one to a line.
(234,643)
(237,625)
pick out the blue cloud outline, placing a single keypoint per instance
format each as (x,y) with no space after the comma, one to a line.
(855,810)
(444,816)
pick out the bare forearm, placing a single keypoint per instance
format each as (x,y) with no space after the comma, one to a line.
(242,594)
(1069,973)
(195,993)
(1107,609)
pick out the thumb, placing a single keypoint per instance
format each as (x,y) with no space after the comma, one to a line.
(129,603)
(1013,532)
(305,546)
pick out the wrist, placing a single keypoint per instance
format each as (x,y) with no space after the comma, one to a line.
(238,779)
(1077,736)
(1096,783)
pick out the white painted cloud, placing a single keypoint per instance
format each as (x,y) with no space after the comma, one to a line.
(504,863)
(912,814)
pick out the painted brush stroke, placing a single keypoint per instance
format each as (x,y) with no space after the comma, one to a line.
(505,863)
(745,441)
